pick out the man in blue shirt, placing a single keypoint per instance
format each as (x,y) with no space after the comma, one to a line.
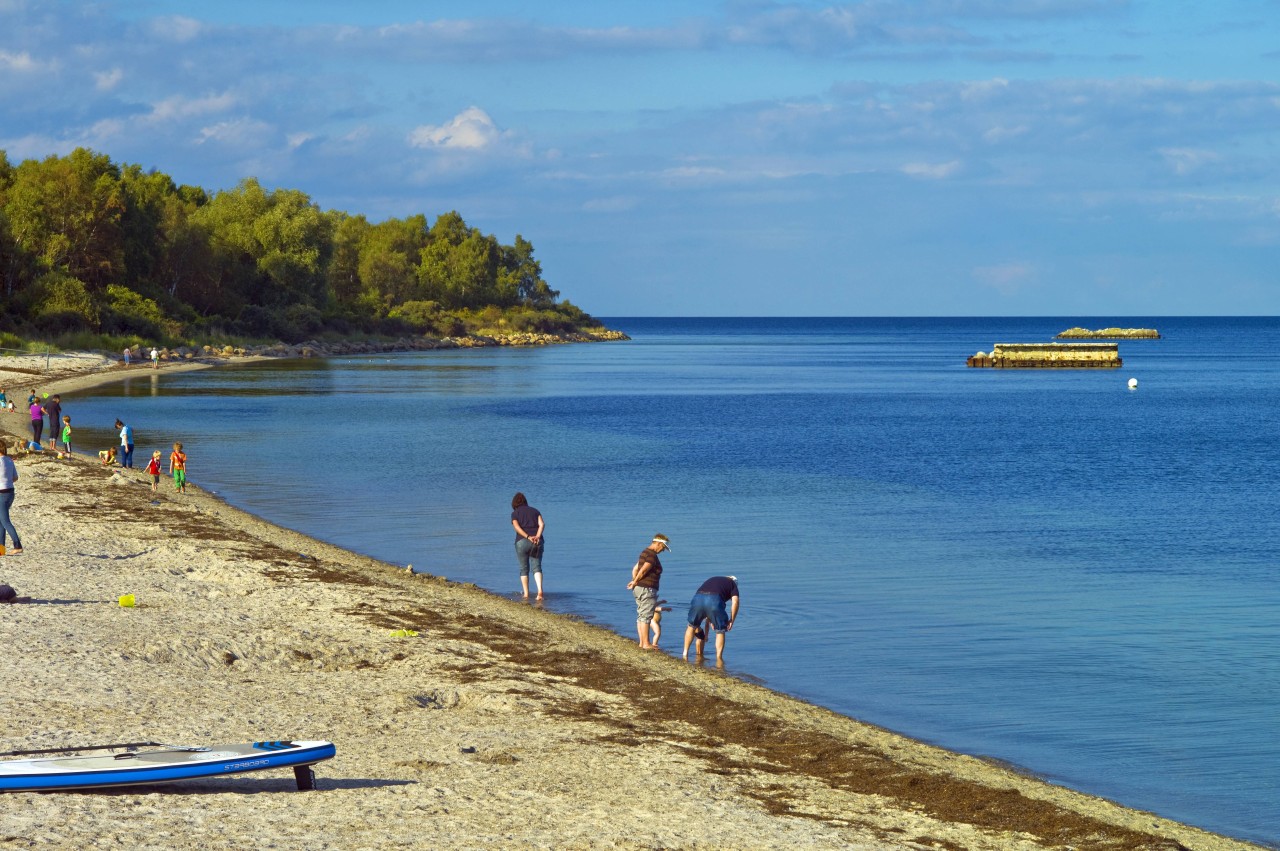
(126,444)
(709,605)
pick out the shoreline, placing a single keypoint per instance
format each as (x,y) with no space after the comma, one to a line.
(246,630)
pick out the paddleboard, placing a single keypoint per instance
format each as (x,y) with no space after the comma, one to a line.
(162,765)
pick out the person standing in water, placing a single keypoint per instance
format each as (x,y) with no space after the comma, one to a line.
(528,524)
(645,578)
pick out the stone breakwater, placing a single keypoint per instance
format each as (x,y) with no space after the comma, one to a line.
(1049,356)
(313,348)
(1109,334)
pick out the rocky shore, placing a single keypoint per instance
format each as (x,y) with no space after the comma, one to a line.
(462,719)
(313,348)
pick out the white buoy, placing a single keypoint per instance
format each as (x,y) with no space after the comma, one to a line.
(1133,384)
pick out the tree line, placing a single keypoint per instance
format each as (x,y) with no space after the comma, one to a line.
(91,248)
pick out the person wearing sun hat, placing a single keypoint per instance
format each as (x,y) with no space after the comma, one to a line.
(709,605)
(645,577)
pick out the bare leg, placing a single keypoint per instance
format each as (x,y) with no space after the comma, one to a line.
(688,639)
(642,630)
(524,585)
(719,645)
(537,578)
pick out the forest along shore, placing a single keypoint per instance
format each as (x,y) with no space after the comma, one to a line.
(498,724)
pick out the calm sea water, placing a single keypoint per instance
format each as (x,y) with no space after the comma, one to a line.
(1040,566)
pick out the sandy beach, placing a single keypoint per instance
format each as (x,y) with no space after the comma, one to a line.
(497,725)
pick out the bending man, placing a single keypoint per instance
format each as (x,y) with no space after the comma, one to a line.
(709,605)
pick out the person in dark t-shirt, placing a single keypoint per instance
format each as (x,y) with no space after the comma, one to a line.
(529,525)
(709,605)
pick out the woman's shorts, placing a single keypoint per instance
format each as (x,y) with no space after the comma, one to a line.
(646,602)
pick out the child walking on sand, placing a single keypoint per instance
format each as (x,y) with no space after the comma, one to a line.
(66,435)
(153,467)
(178,466)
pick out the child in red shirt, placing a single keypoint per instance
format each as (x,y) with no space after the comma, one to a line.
(153,467)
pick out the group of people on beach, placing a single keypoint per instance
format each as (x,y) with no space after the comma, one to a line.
(155,357)
(714,606)
(41,406)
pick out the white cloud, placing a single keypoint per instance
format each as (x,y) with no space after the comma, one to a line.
(105,81)
(177,28)
(1186,160)
(19,62)
(180,107)
(472,130)
(931,171)
(239,132)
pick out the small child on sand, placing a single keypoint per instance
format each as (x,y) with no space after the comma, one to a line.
(107,456)
(153,467)
(4,400)
(66,435)
(656,623)
(178,466)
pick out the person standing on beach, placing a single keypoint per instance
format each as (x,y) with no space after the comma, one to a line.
(126,445)
(178,467)
(709,605)
(645,578)
(66,435)
(8,475)
(37,419)
(153,469)
(126,356)
(528,524)
(53,410)
(155,358)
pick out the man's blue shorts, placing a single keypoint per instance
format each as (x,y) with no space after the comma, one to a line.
(708,606)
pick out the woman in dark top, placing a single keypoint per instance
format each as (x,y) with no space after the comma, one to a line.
(527,521)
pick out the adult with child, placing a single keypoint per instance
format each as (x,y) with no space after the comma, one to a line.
(709,605)
(126,445)
(53,410)
(8,476)
(528,524)
(646,576)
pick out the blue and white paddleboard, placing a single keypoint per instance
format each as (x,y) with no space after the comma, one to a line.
(163,765)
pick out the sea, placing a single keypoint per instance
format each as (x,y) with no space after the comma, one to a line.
(1050,568)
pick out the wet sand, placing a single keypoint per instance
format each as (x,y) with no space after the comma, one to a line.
(498,725)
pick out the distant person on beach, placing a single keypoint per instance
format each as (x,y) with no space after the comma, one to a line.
(8,475)
(53,410)
(709,605)
(126,357)
(528,524)
(126,445)
(37,420)
(66,435)
(155,358)
(178,468)
(645,577)
(4,400)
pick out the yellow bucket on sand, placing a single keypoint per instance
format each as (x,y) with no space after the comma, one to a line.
(127,601)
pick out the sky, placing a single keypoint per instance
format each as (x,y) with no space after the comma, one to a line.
(1092,158)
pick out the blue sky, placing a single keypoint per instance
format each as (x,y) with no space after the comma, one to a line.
(936,157)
